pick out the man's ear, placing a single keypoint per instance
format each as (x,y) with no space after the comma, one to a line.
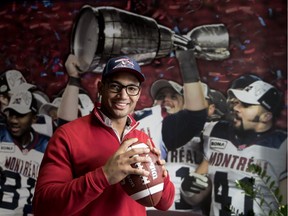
(100,87)
(267,116)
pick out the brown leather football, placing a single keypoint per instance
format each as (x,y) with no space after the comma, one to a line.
(145,190)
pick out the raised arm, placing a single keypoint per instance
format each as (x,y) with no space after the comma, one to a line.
(68,109)
(181,127)
(193,93)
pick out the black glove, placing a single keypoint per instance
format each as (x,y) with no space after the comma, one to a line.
(194,183)
(188,66)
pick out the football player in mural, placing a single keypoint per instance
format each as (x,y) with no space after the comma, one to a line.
(168,99)
(12,81)
(230,147)
(184,159)
(239,83)
(9,80)
(21,152)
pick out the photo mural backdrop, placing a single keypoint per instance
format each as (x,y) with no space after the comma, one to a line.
(35,39)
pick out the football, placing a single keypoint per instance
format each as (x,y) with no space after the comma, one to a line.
(145,190)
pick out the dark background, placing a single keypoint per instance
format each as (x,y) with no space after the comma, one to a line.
(35,39)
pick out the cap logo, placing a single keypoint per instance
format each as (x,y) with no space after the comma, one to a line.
(17,101)
(248,88)
(258,90)
(124,62)
(23,98)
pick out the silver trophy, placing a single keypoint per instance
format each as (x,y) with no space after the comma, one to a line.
(103,32)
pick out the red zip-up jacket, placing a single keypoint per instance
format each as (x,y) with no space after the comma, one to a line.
(71,180)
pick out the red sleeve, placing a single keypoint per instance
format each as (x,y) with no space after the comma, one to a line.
(56,186)
(168,194)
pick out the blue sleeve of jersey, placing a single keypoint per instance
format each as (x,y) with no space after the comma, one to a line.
(4,134)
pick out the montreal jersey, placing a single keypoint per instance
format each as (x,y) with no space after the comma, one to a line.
(19,172)
(179,163)
(229,159)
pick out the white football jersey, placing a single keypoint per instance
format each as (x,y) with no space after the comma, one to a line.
(229,160)
(180,163)
(150,122)
(19,171)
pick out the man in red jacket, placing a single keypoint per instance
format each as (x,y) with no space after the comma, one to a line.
(86,158)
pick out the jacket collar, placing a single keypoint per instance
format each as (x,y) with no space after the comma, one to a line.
(131,122)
